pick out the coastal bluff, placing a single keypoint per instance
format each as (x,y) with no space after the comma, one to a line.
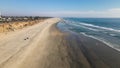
(6,27)
(8,24)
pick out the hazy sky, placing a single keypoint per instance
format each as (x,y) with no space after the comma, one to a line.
(62,8)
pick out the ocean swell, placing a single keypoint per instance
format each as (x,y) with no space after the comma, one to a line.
(100,27)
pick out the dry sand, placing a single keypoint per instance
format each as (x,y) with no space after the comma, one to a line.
(39,46)
(44,46)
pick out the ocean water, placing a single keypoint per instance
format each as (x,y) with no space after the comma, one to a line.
(106,30)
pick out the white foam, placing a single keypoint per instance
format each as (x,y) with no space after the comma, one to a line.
(113,34)
(74,23)
(95,28)
(100,27)
(102,40)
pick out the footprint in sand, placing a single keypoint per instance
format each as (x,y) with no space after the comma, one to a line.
(26,38)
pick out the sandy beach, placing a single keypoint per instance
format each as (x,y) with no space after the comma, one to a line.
(43,45)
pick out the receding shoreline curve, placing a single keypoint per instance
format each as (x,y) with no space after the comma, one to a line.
(43,45)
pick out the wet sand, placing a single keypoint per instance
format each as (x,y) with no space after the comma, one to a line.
(45,46)
(99,54)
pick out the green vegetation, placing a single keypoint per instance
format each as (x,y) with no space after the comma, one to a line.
(20,18)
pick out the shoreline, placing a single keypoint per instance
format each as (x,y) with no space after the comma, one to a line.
(108,44)
(44,45)
(104,60)
(99,54)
